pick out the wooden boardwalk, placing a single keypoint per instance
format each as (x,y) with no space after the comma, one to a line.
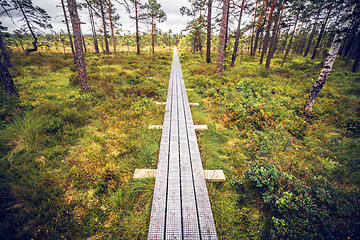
(181,207)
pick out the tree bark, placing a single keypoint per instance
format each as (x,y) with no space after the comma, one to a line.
(137,29)
(93,29)
(112,28)
(355,66)
(312,34)
(107,50)
(80,61)
(5,53)
(222,38)
(68,29)
(152,35)
(291,38)
(257,32)
(7,83)
(267,34)
(321,32)
(273,43)
(253,29)
(330,59)
(208,33)
(237,37)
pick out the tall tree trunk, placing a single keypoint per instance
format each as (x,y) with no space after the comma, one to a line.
(112,28)
(330,59)
(7,83)
(222,38)
(321,32)
(68,29)
(312,34)
(355,66)
(93,29)
(107,50)
(137,29)
(253,29)
(285,41)
(208,32)
(292,35)
(257,32)
(5,53)
(83,41)
(152,35)
(267,34)
(237,37)
(80,61)
(227,27)
(34,43)
(273,43)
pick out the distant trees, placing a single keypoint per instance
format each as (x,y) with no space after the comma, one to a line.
(152,15)
(341,32)
(33,16)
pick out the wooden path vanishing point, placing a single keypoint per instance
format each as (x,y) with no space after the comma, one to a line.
(181,206)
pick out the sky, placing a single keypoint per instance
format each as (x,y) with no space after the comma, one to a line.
(175,21)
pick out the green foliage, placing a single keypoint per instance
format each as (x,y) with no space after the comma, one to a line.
(67,158)
(294,175)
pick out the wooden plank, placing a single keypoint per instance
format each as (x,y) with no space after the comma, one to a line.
(181,207)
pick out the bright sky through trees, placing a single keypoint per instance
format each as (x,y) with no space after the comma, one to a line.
(175,21)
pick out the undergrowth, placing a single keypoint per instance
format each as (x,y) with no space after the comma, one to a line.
(290,175)
(67,158)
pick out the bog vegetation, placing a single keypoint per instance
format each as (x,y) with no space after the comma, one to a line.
(67,154)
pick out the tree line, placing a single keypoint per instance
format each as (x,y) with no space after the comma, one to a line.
(316,28)
(36,18)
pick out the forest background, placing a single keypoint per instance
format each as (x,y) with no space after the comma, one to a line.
(75,109)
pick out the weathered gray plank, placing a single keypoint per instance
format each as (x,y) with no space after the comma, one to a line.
(181,207)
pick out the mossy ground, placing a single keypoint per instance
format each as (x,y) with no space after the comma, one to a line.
(255,116)
(67,158)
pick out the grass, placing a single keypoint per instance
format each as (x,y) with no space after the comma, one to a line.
(254,114)
(67,158)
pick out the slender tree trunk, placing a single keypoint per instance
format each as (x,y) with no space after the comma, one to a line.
(152,35)
(83,41)
(330,59)
(68,29)
(227,27)
(321,32)
(34,43)
(237,37)
(355,66)
(107,50)
(93,29)
(285,41)
(5,53)
(257,32)
(267,34)
(292,35)
(312,34)
(112,29)
(273,43)
(7,83)
(137,29)
(80,61)
(222,38)
(208,33)
(253,29)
